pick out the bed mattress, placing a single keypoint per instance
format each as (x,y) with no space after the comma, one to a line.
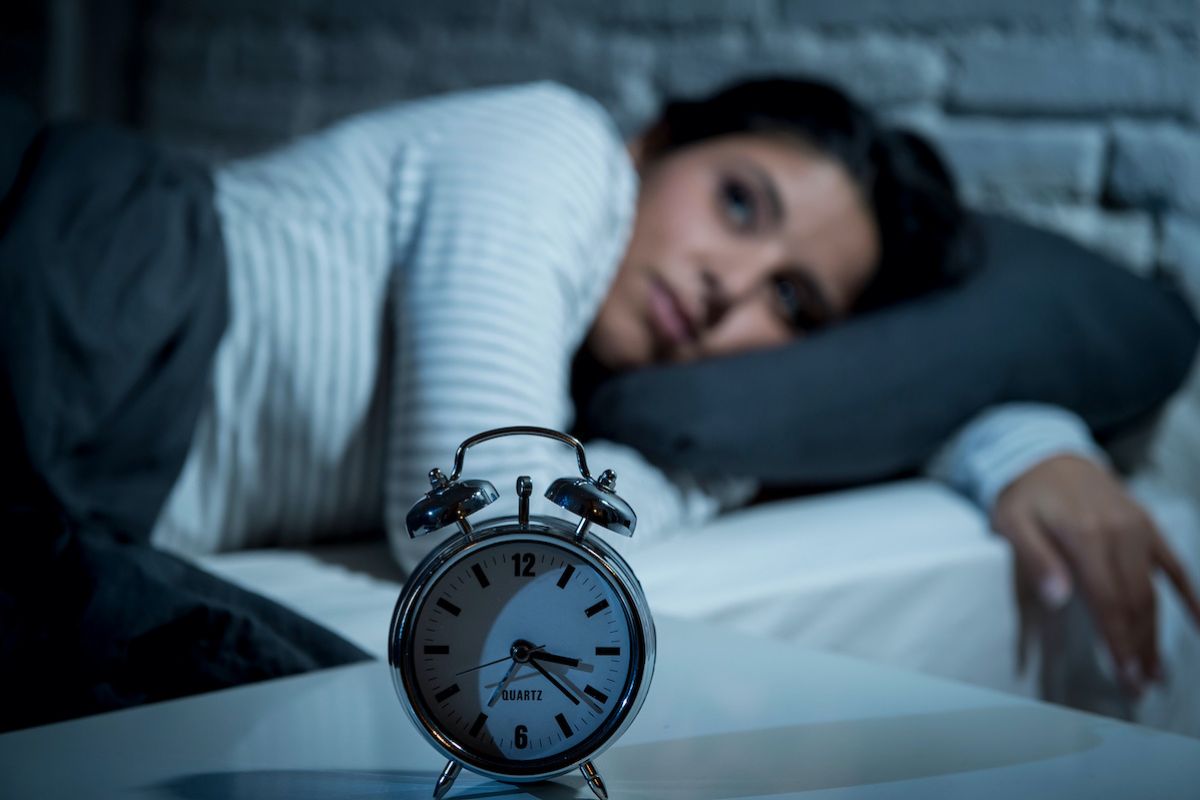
(905,573)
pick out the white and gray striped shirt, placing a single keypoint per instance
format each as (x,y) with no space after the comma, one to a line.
(399,282)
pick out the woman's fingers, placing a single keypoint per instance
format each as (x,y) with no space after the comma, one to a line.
(1166,560)
(1110,611)
(1038,561)
(1070,519)
(1134,572)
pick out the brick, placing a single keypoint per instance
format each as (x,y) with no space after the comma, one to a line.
(178,54)
(356,59)
(229,55)
(500,15)
(261,56)
(926,14)
(876,70)
(1071,76)
(261,115)
(658,14)
(693,66)
(324,16)
(1003,161)
(1156,165)
(1156,16)
(921,117)
(1127,237)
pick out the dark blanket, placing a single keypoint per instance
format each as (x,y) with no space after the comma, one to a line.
(112,276)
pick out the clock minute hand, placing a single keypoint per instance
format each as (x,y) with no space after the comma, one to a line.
(533,663)
(504,682)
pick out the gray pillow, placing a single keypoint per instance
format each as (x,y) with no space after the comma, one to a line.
(1041,319)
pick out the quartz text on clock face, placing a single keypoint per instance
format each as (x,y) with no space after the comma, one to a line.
(522,651)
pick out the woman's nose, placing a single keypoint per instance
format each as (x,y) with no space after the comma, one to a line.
(716,299)
(732,283)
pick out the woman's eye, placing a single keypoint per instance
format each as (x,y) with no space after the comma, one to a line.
(793,306)
(737,201)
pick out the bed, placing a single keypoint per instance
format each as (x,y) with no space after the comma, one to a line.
(905,573)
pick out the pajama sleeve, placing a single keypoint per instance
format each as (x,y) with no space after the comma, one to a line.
(1002,443)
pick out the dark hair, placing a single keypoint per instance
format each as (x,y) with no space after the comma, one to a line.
(922,224)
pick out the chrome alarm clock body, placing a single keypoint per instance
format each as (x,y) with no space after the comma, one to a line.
(522,647)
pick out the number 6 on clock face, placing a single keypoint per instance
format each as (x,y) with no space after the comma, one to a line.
(521,654)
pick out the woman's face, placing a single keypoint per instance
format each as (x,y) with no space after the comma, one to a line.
(739,242)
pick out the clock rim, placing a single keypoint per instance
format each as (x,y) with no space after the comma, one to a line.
(558,533)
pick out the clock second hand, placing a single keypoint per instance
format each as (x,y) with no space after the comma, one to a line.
(481,666)
(497,661)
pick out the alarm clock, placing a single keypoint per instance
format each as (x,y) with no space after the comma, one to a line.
(522,646)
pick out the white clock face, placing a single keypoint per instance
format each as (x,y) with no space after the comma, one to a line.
(521,651)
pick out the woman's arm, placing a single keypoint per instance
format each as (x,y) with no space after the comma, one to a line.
(1052,495)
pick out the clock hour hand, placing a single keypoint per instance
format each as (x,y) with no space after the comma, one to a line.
(555,659)
(557,685)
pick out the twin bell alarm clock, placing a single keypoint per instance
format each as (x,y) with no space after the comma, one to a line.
(522,646)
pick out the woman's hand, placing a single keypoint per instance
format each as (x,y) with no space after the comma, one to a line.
(1070,521)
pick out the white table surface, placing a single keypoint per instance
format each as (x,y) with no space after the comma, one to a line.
(727,717)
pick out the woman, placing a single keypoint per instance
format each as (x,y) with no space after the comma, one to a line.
(421,273)
(414,275)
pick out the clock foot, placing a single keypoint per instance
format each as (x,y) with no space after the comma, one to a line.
(594,780)
(446,780)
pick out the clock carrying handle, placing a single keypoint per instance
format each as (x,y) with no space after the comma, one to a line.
(519,430)
(450,500)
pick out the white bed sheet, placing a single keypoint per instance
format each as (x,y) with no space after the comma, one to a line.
(904,573)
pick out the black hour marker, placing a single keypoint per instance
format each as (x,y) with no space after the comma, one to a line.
(478,725)
(566,576)
(437,649)
(449,691)
(596,609)
(562,723)
(596,693)
(608,651)
(446,605)
(479,576)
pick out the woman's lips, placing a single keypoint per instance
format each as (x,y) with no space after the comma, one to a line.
(667,315)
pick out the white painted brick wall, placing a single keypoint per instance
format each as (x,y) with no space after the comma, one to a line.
(1083,115)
